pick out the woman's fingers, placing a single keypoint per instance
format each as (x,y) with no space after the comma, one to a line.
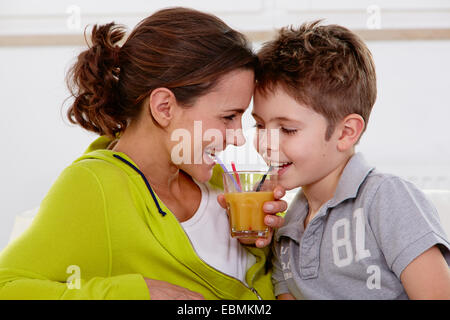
(221,200)
(273,207)
(162,290)
(273,221)
(279,192)
(263,242)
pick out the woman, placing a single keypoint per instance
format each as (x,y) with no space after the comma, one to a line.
(128,220)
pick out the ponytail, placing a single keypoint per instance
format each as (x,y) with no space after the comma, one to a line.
(181,49)
(93,82)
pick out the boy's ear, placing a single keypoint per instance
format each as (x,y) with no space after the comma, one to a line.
(161,105)
(351,128)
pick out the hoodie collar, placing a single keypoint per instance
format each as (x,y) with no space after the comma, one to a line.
(98,149)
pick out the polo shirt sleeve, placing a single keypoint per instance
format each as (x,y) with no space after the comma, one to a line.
(405,223)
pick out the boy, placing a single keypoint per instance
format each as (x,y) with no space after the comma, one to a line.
(351,232)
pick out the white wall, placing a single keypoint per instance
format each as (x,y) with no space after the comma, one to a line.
(408,128)
(407,134)
(36,142)
(60,16)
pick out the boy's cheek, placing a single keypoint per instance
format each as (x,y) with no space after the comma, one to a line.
(260,144)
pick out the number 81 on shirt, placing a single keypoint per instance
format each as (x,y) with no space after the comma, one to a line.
(345,241)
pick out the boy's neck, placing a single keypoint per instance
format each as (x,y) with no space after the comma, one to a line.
(319,192)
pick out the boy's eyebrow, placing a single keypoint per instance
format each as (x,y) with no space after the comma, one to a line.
(279,119)
(286,119)
(255,115)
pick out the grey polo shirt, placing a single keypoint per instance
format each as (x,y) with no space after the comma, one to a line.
(359,242)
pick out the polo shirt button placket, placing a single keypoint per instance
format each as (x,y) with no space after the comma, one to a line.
(305,256)
(310,250)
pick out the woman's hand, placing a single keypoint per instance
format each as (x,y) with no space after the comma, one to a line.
(161,290)
(271,208)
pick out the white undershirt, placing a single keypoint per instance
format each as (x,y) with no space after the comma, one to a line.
(209,232)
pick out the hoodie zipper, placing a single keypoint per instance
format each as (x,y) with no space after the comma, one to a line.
(255,292)
(163,213)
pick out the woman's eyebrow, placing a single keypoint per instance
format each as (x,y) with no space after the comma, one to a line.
(237,110)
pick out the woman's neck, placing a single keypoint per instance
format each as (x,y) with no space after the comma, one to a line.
(151,158)
(176,189)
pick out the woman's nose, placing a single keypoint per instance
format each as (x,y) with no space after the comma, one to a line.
(240,138)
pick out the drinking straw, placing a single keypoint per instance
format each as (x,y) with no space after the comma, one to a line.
(264,178)
(237,176)
(227,172)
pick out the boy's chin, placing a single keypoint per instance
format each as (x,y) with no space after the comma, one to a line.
(289,185)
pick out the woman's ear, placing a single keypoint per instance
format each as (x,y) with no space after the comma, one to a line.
(351,128)
(161,106)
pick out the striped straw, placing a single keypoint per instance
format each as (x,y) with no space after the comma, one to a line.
(228,173)
(264,178)
(233,166)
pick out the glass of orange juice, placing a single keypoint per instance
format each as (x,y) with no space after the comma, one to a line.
(245,194)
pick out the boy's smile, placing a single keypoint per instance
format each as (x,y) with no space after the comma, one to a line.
(302,155)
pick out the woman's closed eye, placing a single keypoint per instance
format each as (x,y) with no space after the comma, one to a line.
(230,117)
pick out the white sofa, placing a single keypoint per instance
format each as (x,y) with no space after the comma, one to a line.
(22,222)
(440,198)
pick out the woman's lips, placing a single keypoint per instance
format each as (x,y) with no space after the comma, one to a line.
(208,158)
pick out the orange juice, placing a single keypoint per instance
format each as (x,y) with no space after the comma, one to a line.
(246,213)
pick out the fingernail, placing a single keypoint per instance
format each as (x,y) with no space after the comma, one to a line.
(268,207)
(270,220)
(279,194)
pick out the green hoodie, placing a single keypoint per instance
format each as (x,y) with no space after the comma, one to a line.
(100,223)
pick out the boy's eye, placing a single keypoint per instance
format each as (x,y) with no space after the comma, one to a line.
(288,131)
(258,126)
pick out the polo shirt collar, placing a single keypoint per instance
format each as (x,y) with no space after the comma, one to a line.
(354,174)
(295,215)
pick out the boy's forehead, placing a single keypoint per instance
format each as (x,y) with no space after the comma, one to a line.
(277,95)
(278,105)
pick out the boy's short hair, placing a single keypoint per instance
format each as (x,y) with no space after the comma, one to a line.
(326,67)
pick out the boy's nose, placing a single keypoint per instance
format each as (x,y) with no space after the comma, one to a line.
(266,142)
(235,137)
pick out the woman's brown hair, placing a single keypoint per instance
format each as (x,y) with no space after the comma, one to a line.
(181,49)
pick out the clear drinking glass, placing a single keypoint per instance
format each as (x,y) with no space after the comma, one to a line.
(245,194)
